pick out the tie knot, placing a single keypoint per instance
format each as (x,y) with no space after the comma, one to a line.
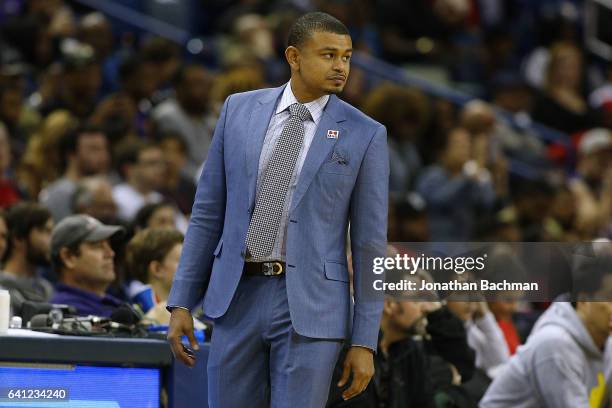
(300,111)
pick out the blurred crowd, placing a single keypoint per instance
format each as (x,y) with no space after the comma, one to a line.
(105,125)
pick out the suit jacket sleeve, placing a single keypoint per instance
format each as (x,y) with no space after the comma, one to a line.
(205,227)
(368,232)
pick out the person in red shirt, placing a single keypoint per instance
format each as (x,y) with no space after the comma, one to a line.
(9,192)
(503,310)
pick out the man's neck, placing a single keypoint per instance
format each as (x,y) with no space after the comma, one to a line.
(20,267)
(93,287)
(72,173)
(302,94)
(161,291)
(598,338)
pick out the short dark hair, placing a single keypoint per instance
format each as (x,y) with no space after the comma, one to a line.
(57,263)
(306,25)
(589,272)
(148,245)
(21,219)
(163,137)
(128,153)
(69,141)
(142,217)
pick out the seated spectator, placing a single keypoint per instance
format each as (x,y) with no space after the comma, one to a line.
(533,200)
(455,190)
(419,360)
(159,215)
(85,152)
(562,105)
(83,259)
(40,163)
(408,220)
(592,184)
(483,334)
(178,187)
(406,113)
(9,191)
(81,79)
(29,231)
(142,166)
(503,311)
(94,197)
(153,256)
(20,120)
(562,363)
(188,114)
(401,364)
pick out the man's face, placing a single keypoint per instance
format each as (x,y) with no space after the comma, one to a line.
(597,317)
(193,91)
(103,206)
(403,314)
(38,245)
(151,168)
(462,309)
(174,154)
(168,265)
(94,263)
(92,154)
(163,217)
(10,105)
(84,83)
(323,62)
(458,149)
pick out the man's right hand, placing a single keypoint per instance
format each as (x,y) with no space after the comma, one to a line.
(181,324)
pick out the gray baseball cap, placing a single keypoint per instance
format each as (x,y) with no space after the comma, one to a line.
(81,228)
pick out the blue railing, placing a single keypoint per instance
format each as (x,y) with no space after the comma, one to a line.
(136,19)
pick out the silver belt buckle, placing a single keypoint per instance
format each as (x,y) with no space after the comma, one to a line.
(272,268)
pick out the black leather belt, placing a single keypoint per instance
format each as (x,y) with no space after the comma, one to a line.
(272,268)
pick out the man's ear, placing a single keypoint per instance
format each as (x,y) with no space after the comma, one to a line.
(292,54)
(154,269)
(67,258)
(389,306)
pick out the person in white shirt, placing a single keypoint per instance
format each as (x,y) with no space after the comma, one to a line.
(142,167)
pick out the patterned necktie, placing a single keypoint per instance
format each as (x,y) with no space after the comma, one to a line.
(266,217)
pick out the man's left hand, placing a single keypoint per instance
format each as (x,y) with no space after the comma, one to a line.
(359,361)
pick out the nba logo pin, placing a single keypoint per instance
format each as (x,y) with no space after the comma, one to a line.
(332,134)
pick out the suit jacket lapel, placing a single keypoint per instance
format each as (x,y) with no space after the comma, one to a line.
(320,148)
(256,132)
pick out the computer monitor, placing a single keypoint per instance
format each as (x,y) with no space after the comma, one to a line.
(25,385)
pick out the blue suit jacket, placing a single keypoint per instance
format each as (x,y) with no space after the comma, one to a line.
(342,179)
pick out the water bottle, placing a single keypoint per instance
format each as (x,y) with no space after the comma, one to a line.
(5,310)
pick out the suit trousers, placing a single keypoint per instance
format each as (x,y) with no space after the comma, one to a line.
(257,359)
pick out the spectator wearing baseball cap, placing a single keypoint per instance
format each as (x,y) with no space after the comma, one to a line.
(83,258)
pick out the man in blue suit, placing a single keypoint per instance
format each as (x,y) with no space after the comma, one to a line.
(287,170)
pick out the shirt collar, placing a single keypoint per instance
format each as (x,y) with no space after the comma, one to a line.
(314,107)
